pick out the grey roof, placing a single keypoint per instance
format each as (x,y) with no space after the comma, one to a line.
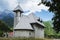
(35,18)
(18,8)
(25,21)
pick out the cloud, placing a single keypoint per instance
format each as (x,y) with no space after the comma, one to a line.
(28,5)
(1,9)
(4,4)
(32,6)
(12,4)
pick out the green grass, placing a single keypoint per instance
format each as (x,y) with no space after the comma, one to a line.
(24,39)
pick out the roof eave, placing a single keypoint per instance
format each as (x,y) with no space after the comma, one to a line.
(39,24)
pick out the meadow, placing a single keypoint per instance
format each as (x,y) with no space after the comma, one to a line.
(25,39)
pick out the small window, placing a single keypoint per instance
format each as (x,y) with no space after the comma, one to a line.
(29,33)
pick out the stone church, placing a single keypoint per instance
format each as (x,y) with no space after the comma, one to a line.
(27,25)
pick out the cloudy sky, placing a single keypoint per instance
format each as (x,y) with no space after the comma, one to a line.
(28,6)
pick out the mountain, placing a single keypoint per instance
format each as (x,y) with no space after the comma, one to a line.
(5,13)
(7,16)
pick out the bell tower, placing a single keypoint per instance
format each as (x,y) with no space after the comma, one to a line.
(17,14)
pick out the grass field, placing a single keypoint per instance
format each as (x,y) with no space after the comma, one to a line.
(24,39)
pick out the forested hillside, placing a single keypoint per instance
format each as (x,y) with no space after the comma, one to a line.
(8,17)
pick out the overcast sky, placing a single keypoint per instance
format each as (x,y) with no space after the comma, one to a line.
(28,6)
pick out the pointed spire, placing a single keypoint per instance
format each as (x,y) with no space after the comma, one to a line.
(18,8)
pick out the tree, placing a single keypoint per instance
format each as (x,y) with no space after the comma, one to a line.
(4,27)
(55,8)
(48,30)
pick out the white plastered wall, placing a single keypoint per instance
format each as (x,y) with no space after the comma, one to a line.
(39,32)
(22,33)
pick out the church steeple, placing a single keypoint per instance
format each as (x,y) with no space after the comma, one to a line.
(18,9)
(17,15)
